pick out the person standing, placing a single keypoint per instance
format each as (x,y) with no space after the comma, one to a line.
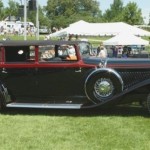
(101,51)
(115,51)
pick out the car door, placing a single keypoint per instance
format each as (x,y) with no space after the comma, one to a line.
(60,81)
(21,82)
(19,73)
(59,76)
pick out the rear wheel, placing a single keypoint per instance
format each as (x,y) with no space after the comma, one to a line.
(0,105)
(100,88)
(1,102)
(3,95)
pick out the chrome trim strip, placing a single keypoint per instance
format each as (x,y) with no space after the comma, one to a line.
(44,105)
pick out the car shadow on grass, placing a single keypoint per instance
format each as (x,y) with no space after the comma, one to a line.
(125,111)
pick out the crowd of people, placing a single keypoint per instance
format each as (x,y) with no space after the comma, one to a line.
(113,51)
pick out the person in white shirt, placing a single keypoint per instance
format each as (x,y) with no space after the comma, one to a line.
(103,52)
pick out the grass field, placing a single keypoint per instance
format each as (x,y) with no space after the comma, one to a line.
(119,128)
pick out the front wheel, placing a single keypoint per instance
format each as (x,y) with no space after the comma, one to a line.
(100,88)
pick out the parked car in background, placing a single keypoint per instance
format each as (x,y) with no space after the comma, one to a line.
(66,75)
(44,30)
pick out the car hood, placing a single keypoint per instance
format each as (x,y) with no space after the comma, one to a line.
(116,61)
(94,60)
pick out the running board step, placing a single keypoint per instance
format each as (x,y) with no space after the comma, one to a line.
(44,105)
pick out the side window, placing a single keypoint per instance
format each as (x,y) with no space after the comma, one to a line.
(0,54)
(85,49)
(46,53)
(31,53)
(19,54)
(67,52)
(57,53)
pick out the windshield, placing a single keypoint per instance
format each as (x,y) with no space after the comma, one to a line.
(85,49)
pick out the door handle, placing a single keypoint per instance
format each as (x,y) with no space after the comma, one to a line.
(78,70)
(4,70)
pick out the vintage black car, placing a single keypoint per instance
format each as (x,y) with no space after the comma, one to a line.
(66,75)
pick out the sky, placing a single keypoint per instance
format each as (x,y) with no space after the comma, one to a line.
(144,5)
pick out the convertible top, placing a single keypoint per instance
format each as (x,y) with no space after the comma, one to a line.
(36,42)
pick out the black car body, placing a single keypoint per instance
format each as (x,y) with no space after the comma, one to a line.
(65,74)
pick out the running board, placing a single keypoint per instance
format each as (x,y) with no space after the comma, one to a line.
(44,105)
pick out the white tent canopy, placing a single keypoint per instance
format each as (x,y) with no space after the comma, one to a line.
(99,29)
(125,39)
(78,28)
(117,28)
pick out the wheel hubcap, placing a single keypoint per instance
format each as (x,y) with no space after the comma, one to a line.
(103,87)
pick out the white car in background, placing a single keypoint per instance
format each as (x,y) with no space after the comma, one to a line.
(44,30)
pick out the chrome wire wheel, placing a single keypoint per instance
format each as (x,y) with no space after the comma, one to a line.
(103,88)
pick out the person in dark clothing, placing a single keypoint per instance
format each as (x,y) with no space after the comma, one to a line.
(98,50)
(115,51)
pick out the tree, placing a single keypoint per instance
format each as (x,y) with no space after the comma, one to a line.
(43,19)
(1,10)
(63,12)
(115,12)
(12,9)
(149,19)
(132,14)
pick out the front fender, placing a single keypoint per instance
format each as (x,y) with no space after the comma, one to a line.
(105,70)
(100,82)
(112,99)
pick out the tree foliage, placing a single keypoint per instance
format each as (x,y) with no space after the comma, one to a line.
(64,12)
(43,20)
(132,14)
(12,9)
(1,10)
(61,13)
(115,12)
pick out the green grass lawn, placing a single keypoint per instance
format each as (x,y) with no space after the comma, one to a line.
(119,128)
